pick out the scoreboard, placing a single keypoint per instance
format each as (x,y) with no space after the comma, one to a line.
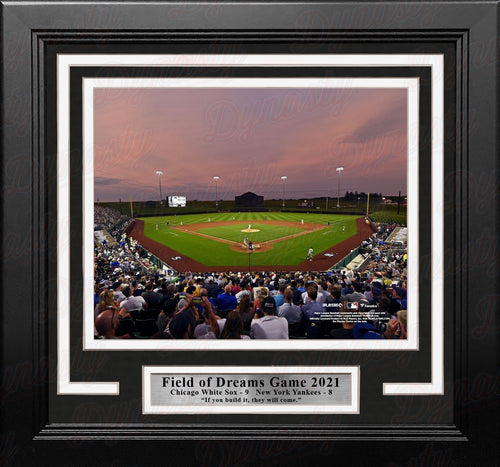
(176,201)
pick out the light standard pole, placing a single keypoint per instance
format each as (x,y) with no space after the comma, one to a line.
(284,180)
(250,251)
(338,169)
(216,178)
(160,173)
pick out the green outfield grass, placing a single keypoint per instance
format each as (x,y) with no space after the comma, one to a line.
(213,253)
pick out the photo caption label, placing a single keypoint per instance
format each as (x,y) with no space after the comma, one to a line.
(220,391)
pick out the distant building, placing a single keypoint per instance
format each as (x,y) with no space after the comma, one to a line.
(249,202)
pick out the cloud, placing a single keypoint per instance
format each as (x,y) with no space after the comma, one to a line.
(385,120)
(148,129)
(107,181)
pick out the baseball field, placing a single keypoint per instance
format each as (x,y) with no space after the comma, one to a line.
(219,241)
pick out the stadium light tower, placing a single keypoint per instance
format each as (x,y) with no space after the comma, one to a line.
(160,173)
(216,178)
(284,180)
(339,170)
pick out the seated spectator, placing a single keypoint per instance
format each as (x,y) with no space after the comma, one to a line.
(212,287)
(225,302)
(153,299)
(117,289)
(179,327)
(280,297)
(183,323)
(347,289)
(399,297)
(208,328)
(246,289)
(346,329)
(396,328)
(305,295)
(106,301)
(333,303)
(106,323)
(247,312)
(136,286)
(233,327)
(131,306)
(166,314)
(357,295)
(366,331)
(258,303)
(235,287)
(297,294)
(313,314)
(204,294)
(323,292)
(269,326)
(258,287)
(168,293)
(292,313)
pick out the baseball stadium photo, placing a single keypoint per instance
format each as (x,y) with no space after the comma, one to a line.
(250,212)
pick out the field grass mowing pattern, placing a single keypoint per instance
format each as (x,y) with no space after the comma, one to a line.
(214,253)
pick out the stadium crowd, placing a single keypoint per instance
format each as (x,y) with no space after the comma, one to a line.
(135,300)
(110,220)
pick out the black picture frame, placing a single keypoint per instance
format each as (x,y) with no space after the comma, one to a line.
(30,436)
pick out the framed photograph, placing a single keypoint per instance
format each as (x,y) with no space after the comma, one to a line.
(176,174)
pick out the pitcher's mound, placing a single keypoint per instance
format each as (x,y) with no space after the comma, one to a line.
(250,230)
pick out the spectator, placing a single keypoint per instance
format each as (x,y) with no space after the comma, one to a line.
(313,313)
(106,301)
(117,289)
(152,299)
(246,289)
(396,328)
(292,313)
(106,324)
(357,295)
(131,306)
(346,331)
(280,298)
(247,312)
(166,314)
(226,302)
(259,301)
(233,327)
(297,294)
(269,326)
(323,292)
(183,323)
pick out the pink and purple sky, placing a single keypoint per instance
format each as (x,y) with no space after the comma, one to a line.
(249,138)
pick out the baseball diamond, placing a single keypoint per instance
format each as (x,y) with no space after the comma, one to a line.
(280,240)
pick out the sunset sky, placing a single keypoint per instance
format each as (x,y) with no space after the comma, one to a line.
(249,138)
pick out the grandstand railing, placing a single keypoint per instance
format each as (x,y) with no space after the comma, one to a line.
(346,259)
(160,264)
(365,263)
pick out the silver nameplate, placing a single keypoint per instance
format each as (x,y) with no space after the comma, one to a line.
(250,389)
